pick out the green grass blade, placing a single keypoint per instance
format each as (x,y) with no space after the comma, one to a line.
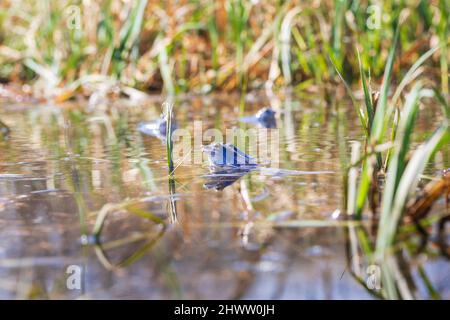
(397,164)
(379,122)
(352,178)
(338,30)
(367,94)
(368,103)
(364,184)
(362,119)
(169,142)
(377,129)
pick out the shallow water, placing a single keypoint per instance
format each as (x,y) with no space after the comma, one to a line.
(263,237)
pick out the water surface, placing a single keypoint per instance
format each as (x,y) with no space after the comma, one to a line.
(263,237)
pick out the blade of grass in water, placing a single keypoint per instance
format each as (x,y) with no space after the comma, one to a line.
(378,127)
(369,106)
(364,184)
(352,178)
(169,142)
(434,294)
(397,164)
(361,116)
(379,122)
(367,93)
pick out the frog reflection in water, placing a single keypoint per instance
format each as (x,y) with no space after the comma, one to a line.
(227,165)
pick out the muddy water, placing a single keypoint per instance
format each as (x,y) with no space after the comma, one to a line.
(264,236)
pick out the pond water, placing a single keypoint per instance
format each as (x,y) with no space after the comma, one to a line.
(274,236)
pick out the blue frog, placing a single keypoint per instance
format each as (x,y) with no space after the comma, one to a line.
(227,165)
(156,128)
(264,118)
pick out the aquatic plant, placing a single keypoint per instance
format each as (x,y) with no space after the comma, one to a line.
(169,142)
(391,169)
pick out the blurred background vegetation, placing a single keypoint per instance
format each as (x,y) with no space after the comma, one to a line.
(200,46)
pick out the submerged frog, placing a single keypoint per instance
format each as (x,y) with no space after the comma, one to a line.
(156,128)
(264,118)
(227,165)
